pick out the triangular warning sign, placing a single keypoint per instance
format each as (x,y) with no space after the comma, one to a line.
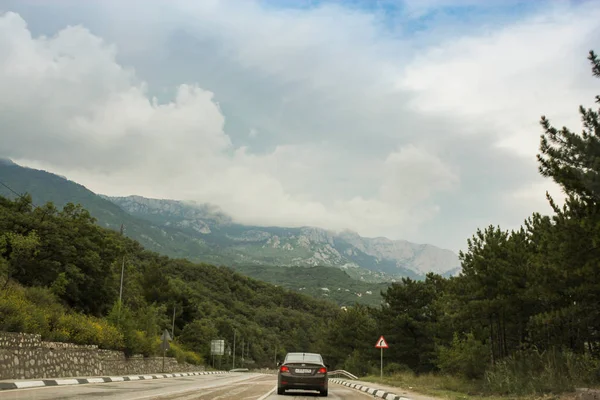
(165,336)
(382,344)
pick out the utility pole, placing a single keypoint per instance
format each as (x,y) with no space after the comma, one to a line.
(122,274)
(242,353)
(173,329)
(121,289)
(234,332)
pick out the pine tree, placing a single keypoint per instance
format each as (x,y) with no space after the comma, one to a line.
(573,160)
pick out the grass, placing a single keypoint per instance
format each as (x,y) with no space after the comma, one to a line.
(452,388)
(527,374)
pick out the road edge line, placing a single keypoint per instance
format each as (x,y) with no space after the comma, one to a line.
(40,383)
(270,392)
(375,392)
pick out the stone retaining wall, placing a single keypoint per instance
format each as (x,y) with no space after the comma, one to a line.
(26,356)
(587,394)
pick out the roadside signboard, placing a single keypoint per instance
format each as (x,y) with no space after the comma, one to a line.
(217,347)
(164,346)
(381,344)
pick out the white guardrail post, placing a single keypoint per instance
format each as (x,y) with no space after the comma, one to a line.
(343,372)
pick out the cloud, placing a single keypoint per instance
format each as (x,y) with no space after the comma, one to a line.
(506,79)
(413,175)
(104,130)
(307,116)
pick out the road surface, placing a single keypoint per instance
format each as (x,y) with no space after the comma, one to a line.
(235,386)
(336,392)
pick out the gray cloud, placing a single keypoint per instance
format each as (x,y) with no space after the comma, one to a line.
(357,127)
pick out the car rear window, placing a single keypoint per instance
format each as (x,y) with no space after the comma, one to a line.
(313,358)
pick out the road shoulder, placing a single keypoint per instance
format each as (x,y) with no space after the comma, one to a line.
(31,383)
(382,391)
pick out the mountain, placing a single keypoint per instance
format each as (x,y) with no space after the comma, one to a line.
(370,259)
(202,232)
(46,187)
(320,282)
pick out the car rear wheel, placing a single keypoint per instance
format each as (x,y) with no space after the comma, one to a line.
(323,393)
(280,390)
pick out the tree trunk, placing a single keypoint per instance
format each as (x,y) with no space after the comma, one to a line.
(492,340)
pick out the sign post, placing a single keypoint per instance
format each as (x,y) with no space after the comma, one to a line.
(381,344)
(164,346)
(217,348)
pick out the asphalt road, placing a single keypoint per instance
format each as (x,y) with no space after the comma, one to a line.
(218,387)
(335,392)
(240,386)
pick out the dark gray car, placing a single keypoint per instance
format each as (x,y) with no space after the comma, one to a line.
(305,371)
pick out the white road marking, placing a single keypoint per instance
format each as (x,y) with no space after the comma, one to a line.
(270,392)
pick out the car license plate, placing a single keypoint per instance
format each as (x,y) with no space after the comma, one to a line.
(303,371)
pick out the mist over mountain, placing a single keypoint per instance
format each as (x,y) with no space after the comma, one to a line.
(370,258)
(203,232)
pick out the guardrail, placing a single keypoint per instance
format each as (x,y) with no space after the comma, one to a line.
(342,372)
(336,372)
(269,371)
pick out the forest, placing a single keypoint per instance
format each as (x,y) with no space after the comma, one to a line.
(60,277)
(524,314)
(522,317)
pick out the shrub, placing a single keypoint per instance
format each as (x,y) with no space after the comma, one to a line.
(81,329)
(534,372)
(19,314)
(37,310)
(193,358)
(183,355)
(358,364)
(466,357)
(396,368)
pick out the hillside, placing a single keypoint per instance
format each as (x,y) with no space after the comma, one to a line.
(172,241)
(47,187)
(203,233)
(320,282)
(60,274)
(370,259)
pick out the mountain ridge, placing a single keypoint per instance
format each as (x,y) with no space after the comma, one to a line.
(203,232)
(344,249)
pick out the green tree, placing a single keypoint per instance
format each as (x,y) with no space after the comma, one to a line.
(350,336)
(67,255)
(494,300)
(15,249)
(573,160)
(568,249)
(465,356)
(409,320)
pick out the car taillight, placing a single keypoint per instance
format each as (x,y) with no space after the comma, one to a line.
(322,370)
(284,369)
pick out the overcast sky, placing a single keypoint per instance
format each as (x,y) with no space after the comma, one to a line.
(413,119)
